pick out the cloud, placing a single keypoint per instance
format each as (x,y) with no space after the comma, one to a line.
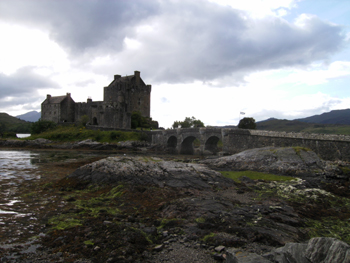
(23,83)
(178,41)
(81,25)
(207,42)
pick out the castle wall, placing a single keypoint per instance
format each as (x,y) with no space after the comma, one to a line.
(51,112)
(141,100)
(123,96)
(67,110)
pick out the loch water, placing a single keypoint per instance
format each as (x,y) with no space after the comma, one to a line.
(19,205)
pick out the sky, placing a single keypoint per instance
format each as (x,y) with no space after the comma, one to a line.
(215,60)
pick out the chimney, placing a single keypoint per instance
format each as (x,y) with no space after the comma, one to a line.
(48,96)
(89,100)
(68,94)
(117,77)
(137,77)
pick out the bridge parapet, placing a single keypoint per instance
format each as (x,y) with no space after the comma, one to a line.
(301,135)
(328,147)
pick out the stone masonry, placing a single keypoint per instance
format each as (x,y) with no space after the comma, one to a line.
(123,96)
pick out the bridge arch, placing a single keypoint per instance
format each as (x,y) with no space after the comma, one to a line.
(172,144)
(186,146)
(211,144)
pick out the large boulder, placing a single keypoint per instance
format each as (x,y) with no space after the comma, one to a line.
(150,171)
(286,160)
(316,250)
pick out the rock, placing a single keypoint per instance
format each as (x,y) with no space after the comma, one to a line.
(158,248)
(219,248)
(234,255)
(218,256)
(291,253)
(286,160)
(327,250)
(86,144)
(149,171)
(317,250)
(41,141)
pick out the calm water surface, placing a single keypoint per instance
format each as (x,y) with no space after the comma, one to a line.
(17,166)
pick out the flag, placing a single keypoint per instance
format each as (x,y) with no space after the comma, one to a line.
(242,113)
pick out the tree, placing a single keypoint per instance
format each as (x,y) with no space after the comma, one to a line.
(247,123)
(138,121)
(84,120)
(42,126)
(188,123)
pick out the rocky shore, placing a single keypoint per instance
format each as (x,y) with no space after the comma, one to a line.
(148,209)
(86,144)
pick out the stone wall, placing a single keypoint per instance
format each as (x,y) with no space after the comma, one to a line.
(328,147)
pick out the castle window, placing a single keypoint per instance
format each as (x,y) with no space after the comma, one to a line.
(139,102)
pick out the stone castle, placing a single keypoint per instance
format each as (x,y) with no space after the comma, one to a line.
(122,97)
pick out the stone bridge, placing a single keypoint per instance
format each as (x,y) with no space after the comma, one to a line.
(223,141)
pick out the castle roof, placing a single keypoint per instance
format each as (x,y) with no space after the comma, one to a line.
(126,79)
(56,99)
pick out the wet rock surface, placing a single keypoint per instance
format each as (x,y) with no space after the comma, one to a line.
(287,161)
(145,209)
(88,144)
(149,171)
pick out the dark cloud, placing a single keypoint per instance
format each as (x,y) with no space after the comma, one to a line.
(188,40)
(218,43)
(81,25)
(24,82)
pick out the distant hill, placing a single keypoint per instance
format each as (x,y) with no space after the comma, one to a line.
(282,125)
(333,122)
(12,124)
(332,117)
(31,116)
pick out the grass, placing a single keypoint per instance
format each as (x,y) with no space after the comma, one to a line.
(88,203)
(74,133)
(298,149)
(208,237)
(64,221)
(235,175)
(329,227)
(336,129)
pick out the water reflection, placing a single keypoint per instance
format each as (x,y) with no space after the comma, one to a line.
(17,165)
(22,135)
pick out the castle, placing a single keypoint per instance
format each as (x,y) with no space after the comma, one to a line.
(123,96)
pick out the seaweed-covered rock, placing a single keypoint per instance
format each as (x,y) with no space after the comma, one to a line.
(150,171)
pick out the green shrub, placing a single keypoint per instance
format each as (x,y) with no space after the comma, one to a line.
(41,126)
(8,135)
(73,133)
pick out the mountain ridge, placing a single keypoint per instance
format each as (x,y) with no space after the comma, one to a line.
(31,116)
(341,117)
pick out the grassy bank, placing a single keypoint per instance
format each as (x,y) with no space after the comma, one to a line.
(73,133)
